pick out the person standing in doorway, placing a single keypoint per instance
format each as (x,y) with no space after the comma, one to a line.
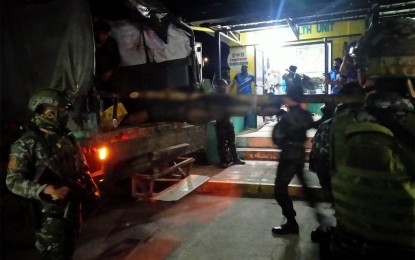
(289,134)
(293,81)
(334,76)
(244,83)
(292,78)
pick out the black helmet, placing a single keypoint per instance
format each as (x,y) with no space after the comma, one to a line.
(387,49)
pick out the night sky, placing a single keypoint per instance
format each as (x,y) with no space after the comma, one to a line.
(209,51)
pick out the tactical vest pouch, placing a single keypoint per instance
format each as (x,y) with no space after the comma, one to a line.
(374,195)
(371,146)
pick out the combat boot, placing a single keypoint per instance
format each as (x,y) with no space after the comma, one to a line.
(238,161)
(291,227)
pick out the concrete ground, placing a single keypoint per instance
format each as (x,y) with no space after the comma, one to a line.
(197,227)
(235,225)
(229,217)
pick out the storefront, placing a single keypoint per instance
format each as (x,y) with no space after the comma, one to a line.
(269,53)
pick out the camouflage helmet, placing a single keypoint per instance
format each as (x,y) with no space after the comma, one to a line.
(47,96)
(387,49)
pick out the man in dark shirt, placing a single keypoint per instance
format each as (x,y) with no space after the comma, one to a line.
(292,78)
(225,134)
(290,135)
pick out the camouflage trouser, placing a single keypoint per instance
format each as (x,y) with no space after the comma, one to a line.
(59,227)
(226,140)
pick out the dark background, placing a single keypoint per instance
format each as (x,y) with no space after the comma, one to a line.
(209,48)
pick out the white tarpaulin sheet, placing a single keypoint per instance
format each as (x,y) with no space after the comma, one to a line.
(131,44)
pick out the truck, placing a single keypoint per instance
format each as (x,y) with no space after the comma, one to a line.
(51,44)
(152,121)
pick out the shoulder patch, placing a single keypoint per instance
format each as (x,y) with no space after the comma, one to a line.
(12,163)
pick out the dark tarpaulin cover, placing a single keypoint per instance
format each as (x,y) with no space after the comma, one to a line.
(44,44)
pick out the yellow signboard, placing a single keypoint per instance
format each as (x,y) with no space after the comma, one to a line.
(331,29)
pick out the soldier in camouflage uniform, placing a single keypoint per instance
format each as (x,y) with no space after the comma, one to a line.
(290,135)
(47,167)
(374,203)
(320,150)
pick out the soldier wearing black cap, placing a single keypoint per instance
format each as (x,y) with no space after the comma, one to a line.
(290,135)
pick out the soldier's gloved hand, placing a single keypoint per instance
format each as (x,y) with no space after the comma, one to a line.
(57,193)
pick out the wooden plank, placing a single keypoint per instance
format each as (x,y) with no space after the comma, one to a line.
(181,188)
(188,162)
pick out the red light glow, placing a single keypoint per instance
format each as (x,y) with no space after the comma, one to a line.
(102,153)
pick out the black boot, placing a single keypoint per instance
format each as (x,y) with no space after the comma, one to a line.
(225,164)
(238,161)
(291,227)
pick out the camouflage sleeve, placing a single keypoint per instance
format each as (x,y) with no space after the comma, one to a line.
(19,168)
(319,155)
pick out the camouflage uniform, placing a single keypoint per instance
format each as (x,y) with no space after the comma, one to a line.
(320,159)
(394,185)
(41,158)
(374,197)
(319,156)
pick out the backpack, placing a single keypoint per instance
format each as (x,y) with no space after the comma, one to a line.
(372,188)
